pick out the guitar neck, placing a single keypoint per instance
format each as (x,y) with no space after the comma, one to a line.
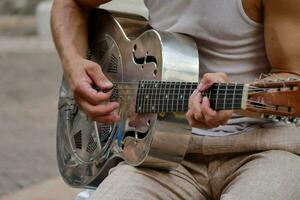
(163,96)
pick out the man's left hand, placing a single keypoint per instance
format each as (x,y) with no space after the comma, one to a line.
(200,114)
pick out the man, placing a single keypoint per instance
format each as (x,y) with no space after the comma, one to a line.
(237,40)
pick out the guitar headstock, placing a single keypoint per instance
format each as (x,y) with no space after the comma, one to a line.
(278,99)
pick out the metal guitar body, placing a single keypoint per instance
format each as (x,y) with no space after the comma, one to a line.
(86,150)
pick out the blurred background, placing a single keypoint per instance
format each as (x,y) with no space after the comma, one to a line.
(30,74)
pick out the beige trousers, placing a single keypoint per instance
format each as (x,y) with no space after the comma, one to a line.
(258,165)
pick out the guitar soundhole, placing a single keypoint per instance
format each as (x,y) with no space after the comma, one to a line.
(92,145)
(144,59)
(104,133)
(113,64)
(78,140)
(135,134)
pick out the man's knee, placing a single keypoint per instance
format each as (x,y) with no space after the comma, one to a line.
(266,175)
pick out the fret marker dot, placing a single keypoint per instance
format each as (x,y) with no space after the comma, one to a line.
(166,96)
(147,96)
(156,85)
(181,96)
(152,107)
(140,108)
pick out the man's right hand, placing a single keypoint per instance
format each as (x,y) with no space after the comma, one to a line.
(82,74)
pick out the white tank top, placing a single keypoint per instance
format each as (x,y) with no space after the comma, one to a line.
(228,40)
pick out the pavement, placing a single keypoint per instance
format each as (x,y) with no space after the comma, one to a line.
(52,189)
(30,75)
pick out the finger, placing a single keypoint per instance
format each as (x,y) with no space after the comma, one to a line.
(209,78)
(208,113)
(195,106)
(107,119)
(194,93)
(86,92)
(205,82)
(96,74)
(99,110)
(199,117)
(223,116)
(193,122)
(214,118)
(195,100)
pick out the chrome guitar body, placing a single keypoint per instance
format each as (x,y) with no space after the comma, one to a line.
(86,150)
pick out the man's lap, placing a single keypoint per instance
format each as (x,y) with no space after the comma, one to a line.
(127,182)
(266,175)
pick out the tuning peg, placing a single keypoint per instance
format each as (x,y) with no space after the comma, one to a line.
(274,118)
(293,79)
(286,120)
(280,80)
(296,121)
(268,80)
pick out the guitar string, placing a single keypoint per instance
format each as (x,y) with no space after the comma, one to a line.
(262,105)
(173,94)
(180,89)
(135,88)
(195,83)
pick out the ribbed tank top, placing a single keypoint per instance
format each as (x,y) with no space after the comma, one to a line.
(228,40)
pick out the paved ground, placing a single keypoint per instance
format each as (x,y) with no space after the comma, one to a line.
(30,75)
(52,189)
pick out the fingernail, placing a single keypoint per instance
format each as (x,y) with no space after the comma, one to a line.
(195,92)
(200,87)
(107,84)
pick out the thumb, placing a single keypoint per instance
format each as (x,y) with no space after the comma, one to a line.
(99,79)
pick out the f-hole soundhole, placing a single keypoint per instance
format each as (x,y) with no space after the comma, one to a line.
(144,59)
(134,134)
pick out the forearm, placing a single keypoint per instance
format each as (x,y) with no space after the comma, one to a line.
(69,30)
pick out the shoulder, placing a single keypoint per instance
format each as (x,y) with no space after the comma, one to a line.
(282,9)
(254,9)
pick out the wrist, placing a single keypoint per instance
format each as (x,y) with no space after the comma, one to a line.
(70,58)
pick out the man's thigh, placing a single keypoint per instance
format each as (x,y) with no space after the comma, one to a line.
(127,182)
(270,175)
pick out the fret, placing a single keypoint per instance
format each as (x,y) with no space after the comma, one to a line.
(233,96)
(172,96)
(142,96)
(138,99)
(160,97)
(150,96)
(209,94)
(238,96)
(178,95)
(152,106)
(224,102)
(168,96)
(183,97)
(155,103)
(164,102)
(172,91)
(217,96)
(147,96)
(189,89)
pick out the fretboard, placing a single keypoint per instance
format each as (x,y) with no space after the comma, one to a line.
(162,96)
